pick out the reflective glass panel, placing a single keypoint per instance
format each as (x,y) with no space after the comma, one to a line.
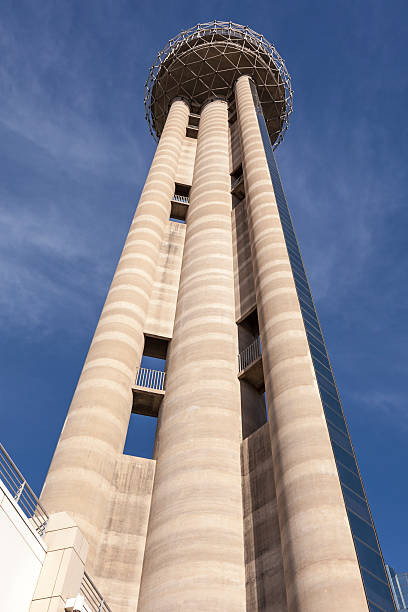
(356,504)
(362,530)
(369,559)
(378,592)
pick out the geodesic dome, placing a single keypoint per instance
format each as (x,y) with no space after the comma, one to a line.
(205,61)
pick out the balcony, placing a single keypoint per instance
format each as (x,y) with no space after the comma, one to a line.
(148,391)
(250,367)
(192,131)
(179,206)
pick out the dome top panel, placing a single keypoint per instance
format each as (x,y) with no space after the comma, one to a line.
(204,63)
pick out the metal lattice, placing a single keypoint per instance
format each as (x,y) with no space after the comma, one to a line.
(204,63)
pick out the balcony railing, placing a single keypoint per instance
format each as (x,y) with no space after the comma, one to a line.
(150,379)
(181,199)
(93,599)
(250,354)
(23,494)
(237,182)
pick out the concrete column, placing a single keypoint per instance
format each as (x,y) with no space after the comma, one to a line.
(194,557)
(94,433)
(320,564)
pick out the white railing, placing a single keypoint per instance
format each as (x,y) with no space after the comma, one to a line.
(236,182)
(150,379)
(249,354)
(23,494)
(93,599)
(181,199)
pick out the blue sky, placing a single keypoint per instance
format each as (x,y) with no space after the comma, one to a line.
(74,152)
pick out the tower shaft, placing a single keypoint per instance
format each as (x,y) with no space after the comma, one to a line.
(234,511)
(194,548)
(321,568)
(80,477)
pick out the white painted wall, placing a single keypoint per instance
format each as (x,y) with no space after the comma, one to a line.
(22,554)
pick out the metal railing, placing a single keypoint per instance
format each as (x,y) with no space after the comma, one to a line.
(249,354)
(236,182)
(181,199)
(23,494)
(93,598)
(150,379)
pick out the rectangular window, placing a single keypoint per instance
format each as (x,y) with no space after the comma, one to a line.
(350,480)
(362,530)
(334,418)
(378,592)
(344,457)
(369,559)
(340,438)
(356,504)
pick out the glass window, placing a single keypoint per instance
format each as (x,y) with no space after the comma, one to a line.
(321,368)
(317,341)
(335,419)
(374,608)
(318,354)
(344,457)
(300,282)
(356,504)
(295,257)
(340,438)
(297,264)
(362,530)
(291,240)
(331,401)
(378,592)
(352,481)
(326,384)
(309,325)
(370,560)
(320,357)
(304,295)
(308,308)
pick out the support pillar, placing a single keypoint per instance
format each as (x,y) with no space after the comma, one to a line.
(194,556)
(94,432)
(320,564)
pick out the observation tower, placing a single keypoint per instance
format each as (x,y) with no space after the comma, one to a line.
(253,499)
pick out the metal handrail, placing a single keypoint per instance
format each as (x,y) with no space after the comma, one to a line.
(150,379)
(21,491)
(180,198)
(250,354)
(237,182)
(92,596)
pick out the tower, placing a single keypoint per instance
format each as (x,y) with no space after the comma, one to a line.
(236,511)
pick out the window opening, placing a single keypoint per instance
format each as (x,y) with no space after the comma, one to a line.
(180,203)
(148,392)
(237,186)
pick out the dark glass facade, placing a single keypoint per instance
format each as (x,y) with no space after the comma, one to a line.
(399,587)
(362,527)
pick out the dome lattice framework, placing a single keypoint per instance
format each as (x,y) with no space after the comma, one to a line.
(204,63)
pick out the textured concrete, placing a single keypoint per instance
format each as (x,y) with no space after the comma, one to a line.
(244,287)
(320,565)
(194,557)
(123,542)
(185,167)
(163,299)
(263,555)
(81,473)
